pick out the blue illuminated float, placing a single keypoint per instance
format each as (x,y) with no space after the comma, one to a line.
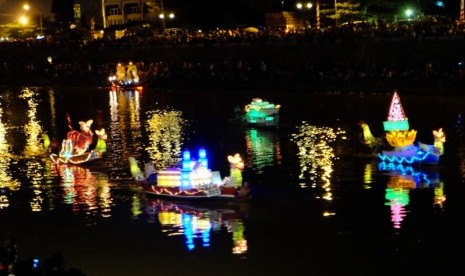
(262,113)
(401,138)
(75,149)
(193,179)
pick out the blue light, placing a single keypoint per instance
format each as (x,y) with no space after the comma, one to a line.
(403,159)
(186,155)
(186,160)
(202,153)
(440,4)
(203,157)
(188,231)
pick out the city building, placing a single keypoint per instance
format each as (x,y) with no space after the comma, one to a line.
(119,12)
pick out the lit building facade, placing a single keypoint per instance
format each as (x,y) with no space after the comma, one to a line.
(118,12)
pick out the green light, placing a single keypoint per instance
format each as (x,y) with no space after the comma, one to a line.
(396,125)
(408,12)
(400,196)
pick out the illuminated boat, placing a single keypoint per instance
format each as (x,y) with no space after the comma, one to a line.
(401,138)
(192,180)
(262,113)
(75,148)
(126,78)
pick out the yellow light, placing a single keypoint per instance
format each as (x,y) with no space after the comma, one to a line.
(26,7)
(23,20)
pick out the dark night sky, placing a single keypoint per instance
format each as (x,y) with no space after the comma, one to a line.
(239,11)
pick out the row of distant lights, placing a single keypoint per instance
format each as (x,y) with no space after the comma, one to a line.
(7,39)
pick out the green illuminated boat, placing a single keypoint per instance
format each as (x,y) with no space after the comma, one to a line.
(262,113)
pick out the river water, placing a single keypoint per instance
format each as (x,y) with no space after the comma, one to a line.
(320,205)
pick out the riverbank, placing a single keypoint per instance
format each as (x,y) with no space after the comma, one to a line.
(421,67)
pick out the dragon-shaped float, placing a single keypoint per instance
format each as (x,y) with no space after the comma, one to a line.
(75,149)
(402,139)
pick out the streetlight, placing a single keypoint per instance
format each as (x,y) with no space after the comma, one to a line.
(163,18)
(408,12)
(308,6)
(24,20)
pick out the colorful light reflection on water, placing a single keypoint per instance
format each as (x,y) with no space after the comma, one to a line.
(263,149)
(316,145)
(196,224)
(102,209)
(403,179)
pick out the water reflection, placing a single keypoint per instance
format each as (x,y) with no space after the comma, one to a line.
(316,154)
(125,126)
(263,149)
(460,151)
(402,180)
(165,129)
(32,129)
(86,191)
(196,224)
(7,182)
(33,147)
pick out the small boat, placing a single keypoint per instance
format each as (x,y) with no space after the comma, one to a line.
(75,148)
(402,139)
(261,113)
(192,180)
(126,78)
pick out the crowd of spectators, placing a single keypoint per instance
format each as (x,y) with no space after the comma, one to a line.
(13,265)
(66,65)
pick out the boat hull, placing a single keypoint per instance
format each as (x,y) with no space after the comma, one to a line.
(126,87)
(263,123)
(177,193)
(76,159)
(410,157)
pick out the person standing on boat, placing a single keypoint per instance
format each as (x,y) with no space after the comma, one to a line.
(150,174)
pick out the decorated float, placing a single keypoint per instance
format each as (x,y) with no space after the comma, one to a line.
(233,186)
(261,113)
(75,149)
(126,77)
(192,180)
(402,139)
